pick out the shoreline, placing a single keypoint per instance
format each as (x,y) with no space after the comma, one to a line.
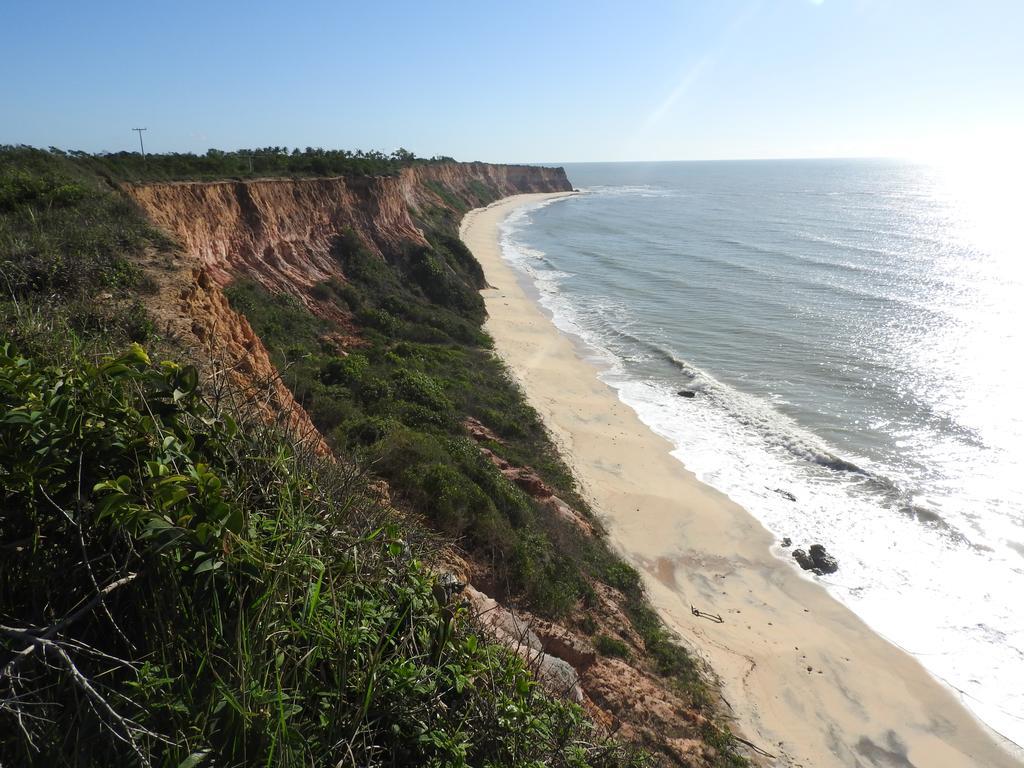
(806,679)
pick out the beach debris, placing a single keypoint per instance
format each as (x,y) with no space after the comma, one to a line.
(705,615)
(786,541)
(817,560)
(785,494)
(686,393)
(757,749)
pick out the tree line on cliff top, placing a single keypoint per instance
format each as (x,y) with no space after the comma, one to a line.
(217,164)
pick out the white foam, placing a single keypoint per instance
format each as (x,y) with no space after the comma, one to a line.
(747,449)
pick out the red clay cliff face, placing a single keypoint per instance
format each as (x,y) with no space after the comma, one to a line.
(281,233)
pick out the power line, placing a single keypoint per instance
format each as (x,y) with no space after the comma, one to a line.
(143,148)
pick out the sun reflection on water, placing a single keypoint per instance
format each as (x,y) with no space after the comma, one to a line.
(979,349)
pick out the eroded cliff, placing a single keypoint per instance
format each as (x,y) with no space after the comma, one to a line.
(281,231)
(283,234)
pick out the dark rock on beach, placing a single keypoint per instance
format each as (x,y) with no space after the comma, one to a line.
(823,561)
(817,560)
(786,541)
(785,494)
(803,559)
(686,393)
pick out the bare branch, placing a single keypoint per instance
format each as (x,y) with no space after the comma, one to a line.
(32,636)
(129,728)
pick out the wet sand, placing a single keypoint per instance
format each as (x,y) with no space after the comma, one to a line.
(806,679)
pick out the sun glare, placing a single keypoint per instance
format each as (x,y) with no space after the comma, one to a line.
(981,182)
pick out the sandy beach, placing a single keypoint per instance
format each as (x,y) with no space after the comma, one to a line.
(806,679)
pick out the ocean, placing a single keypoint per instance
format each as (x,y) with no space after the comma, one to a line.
(852,332)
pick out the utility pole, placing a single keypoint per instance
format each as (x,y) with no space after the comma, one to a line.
(140,130)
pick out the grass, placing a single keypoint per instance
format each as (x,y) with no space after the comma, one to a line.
(399,402)
(182,586)
(69,240)
(538,560)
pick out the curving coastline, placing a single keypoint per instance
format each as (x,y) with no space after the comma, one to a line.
(807,679)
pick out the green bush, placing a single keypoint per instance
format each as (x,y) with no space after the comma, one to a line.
(623,577)
(223,600)
(286,327)
(64,234)
(455,501)
(418,387)
(611,646)
(346,371)
(19,189)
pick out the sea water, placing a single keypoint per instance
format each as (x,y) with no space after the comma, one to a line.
(853,334)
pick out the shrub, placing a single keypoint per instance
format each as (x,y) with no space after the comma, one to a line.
(623,577)
(222,599)
(63,233)
(611,646)
(346,371)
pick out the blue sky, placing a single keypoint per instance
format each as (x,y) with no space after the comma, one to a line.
(518,81)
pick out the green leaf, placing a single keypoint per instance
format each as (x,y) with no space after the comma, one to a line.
(188,379)
(135,355)
(523,685)
(168,497)
(16,417)
(234,521)
(313,598)
(209,564)
(115,502)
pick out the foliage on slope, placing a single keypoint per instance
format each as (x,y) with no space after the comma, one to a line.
(67,238)
(211,667)
(400,401)
(183,587)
